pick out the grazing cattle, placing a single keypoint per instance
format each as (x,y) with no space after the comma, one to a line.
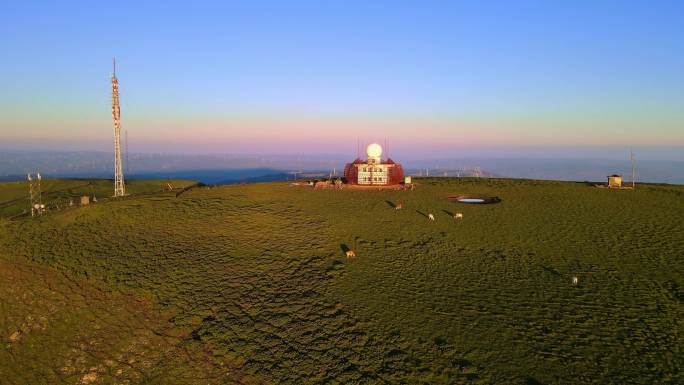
(350,254)
(458,216)
(575,280)
(397,206)
(431,217)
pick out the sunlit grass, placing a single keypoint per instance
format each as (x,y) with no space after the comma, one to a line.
(258,274)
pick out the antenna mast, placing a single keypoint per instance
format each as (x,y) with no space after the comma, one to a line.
(631,158)
(358,148)
(32,194)
(119,188)
(35,194)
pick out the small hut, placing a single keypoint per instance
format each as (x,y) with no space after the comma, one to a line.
(85,200)
(614,181)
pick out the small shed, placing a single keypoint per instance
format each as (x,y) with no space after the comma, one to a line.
(85,200)
(407,180)
(614,181)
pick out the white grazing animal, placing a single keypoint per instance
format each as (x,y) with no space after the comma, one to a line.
(350,254)
(458,216)
(575,280)
(431,217)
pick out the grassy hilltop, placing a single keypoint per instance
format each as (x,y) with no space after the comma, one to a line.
(249,284)
(14,195)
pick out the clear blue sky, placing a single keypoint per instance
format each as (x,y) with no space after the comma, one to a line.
(282,76)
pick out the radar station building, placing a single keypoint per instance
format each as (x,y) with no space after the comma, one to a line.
(374,171)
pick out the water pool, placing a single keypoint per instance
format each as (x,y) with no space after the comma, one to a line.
(471,200)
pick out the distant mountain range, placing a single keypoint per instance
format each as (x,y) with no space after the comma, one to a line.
(216,169)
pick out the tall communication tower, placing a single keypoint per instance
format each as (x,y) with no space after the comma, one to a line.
(119,188)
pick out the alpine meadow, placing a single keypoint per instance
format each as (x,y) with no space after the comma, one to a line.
(250,284)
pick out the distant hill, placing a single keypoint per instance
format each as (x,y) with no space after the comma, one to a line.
(213,169)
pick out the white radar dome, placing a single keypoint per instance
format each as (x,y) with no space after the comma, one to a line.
(374,150)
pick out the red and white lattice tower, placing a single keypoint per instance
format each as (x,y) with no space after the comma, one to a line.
(119,188)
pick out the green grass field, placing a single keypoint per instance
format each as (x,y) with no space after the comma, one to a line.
(14,196)
(249,284)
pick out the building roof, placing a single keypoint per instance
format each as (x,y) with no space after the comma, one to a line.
(361,161)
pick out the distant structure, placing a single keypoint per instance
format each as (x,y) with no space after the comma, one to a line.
(119,188)
(614,181)
(633,161)
(477,173)
(374,170)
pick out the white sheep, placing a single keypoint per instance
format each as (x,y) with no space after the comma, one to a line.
(575,280)
(458,216)
(431,217)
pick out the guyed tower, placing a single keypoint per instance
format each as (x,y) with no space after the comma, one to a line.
(119,188)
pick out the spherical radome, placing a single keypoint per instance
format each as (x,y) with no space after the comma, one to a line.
(374,150)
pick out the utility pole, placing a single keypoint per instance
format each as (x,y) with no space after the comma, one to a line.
(40,195)
(632,160)
(128,170)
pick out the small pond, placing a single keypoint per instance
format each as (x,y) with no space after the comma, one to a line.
(471,200)
(474,199)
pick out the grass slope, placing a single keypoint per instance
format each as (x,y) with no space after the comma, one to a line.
(256,273)
(64,329)
(14,195)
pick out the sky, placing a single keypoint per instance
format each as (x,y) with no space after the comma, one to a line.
(437,78)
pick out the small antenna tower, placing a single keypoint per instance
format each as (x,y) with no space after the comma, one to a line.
(633,161)
(32,194)
(40,194)
(385,147)
(35,194)
(119,188)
